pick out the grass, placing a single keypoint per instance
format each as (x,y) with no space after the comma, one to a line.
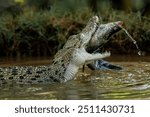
(43,33)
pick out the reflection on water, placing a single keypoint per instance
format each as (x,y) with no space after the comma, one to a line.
(133,82)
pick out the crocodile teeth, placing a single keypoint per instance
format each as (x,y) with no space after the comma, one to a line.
(107,53)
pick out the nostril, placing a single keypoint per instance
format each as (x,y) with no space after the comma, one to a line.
(119,23)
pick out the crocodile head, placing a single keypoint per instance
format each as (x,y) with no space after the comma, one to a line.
(103,34)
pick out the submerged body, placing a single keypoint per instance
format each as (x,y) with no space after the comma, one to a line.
(77,52)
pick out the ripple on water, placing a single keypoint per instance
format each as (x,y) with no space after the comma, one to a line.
(133,82)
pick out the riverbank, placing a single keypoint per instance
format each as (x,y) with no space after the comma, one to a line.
(44,33)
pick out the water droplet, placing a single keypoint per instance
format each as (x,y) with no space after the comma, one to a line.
(133,40)
(130,75)
(139,53)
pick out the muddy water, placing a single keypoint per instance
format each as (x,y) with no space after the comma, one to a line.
(133,82)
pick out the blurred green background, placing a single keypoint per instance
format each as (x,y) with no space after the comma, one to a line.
(41,27)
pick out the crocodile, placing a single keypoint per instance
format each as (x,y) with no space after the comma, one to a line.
(79,50)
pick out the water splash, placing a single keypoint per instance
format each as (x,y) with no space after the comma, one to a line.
(133,40)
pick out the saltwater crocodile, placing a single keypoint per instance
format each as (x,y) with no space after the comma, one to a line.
(78,51)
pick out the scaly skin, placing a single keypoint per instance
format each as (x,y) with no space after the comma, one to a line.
(66,62)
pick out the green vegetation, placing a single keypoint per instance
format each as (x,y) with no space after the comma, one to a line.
(43,33)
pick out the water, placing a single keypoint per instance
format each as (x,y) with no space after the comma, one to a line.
(133,82)
(133,40)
